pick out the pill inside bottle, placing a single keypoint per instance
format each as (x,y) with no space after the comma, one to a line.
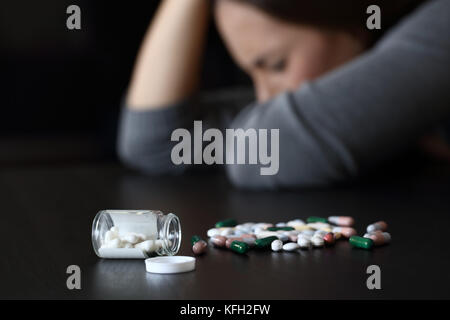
(135,234)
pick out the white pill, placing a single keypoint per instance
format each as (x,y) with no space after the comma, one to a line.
(317,241)
(308,232)
(281,224)
(127,245)
(226,232)
(114,243)
(291,246)
(213,232)
(296,222)
(319,225)
(304,243)
(131,238)
(115,229)
(147,246)
(320,233)
(250,241)
(283,237)
(109,235)
(276,245)
(304,236)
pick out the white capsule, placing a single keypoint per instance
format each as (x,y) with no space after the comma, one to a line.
(213,232)
(319,226)
(115,229)
(110,235)
(114,243)
(304,242)
(283,237)
(291,246)
(147,246)
(281,224)
(226,232)
(266,234)
(296,223)
(276,245)
(131,238)
(250,241)
(317,241)
(127,245)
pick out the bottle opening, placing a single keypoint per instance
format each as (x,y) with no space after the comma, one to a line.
(171,234)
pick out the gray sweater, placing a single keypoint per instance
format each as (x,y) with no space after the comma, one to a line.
(331,129)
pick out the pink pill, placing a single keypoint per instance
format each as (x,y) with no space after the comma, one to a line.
(345,231)
(343,221)
(219,241)
(248,236)
(293,238)
(199,247)
(380,225)
(379,238)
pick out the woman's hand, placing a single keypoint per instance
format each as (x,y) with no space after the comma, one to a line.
(168,64)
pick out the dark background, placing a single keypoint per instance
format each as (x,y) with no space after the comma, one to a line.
(61,89)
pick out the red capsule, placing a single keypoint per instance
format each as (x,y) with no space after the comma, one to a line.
(329,238)
(199,247)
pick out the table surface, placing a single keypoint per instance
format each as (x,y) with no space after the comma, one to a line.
(47,213)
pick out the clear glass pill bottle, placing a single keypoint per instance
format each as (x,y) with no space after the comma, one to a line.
(135,234)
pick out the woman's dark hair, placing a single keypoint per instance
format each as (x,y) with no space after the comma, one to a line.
(337,14)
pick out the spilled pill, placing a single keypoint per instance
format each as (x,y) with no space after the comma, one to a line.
(219,241)
(317,241)
(379,238)
(380,225)
(304,243)
(316,219)
(230,240)
(239,247)
(276,245)
(199,247)
(265,242)
(343,221)
(329,238)
(226,223)
(361,242)
(291,246)
(345,231)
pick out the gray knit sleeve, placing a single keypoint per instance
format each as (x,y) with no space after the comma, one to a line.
(361,114)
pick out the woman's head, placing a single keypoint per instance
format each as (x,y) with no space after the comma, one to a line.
(282,43)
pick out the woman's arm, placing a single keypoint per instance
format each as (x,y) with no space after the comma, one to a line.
(167,68)
(165,76)
(362,114)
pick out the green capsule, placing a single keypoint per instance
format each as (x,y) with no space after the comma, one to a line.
(226,223)
(195,239)
(239,247)
(280,229)
(360,242)
(265,242)
(317,219)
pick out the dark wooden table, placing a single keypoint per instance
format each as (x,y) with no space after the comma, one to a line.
(47,212)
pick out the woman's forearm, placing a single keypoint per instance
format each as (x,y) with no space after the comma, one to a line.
(168,64)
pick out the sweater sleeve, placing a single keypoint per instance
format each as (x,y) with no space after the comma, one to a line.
(362,113)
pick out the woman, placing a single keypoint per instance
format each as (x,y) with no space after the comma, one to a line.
(344,99)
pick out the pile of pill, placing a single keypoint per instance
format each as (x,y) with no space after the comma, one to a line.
(114,240)
(296,234)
